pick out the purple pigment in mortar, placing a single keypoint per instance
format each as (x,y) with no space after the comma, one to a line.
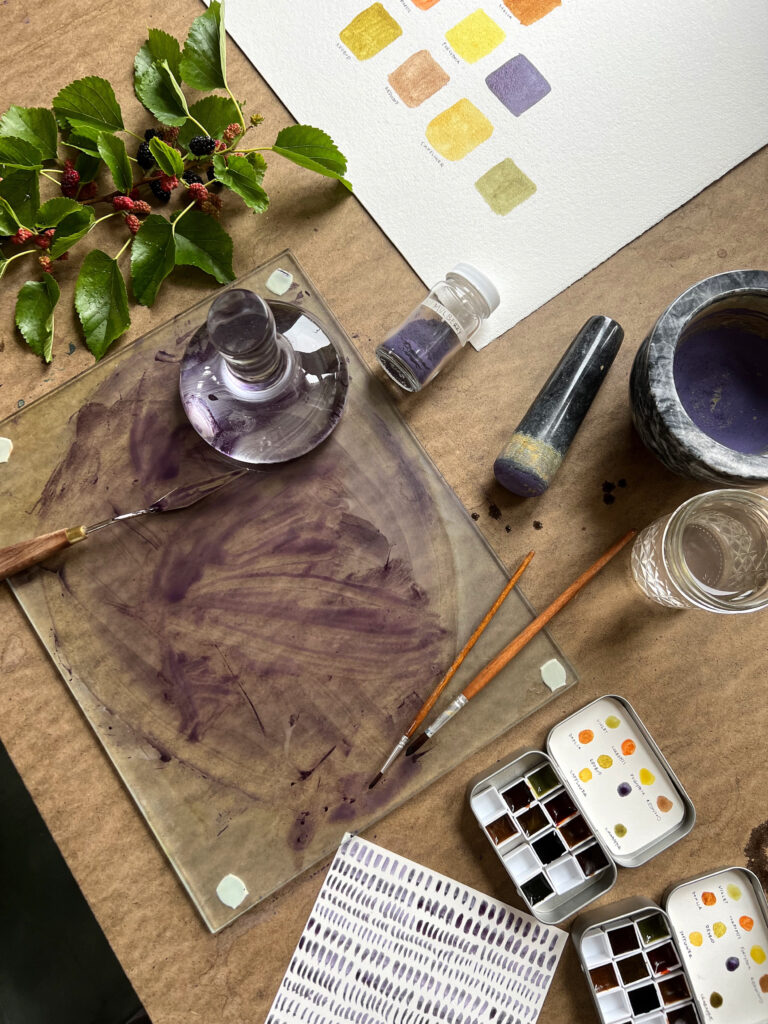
(721,377)
(423,344)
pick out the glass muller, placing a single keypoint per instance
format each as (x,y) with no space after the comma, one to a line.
(438,328)
(262,382)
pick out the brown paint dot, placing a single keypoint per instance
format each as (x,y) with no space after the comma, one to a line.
(418,78)
(764,983)
(664,804)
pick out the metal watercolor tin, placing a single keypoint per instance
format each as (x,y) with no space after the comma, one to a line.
(626,803)
(717,925)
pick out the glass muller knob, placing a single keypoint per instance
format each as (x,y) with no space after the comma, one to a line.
(262,382)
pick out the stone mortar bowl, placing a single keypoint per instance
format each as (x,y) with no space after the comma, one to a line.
(699,382)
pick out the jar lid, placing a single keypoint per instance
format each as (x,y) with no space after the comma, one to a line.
(478,280)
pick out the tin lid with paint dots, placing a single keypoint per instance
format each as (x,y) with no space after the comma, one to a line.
(720,923)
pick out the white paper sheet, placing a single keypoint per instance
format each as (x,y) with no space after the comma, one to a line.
(649,102)
(391,941)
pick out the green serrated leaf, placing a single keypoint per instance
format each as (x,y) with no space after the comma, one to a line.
(313,149)
(70,229)
(87,166)
(8,222)
(34,314)
(203,61)
(91,101)
(35,125)
(242,177)
(166,157)
(202,242)
(83,138)
(214,113)
(22,192)
(54,211)
(165,47)
(19,155)
(156,87)
(113,152)
(152,258)
(101,301)
(258,163)
(313,143)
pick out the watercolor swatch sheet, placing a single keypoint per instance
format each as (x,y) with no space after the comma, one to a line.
(390,940)
(532,138)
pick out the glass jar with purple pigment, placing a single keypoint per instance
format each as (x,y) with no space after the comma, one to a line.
(417,350)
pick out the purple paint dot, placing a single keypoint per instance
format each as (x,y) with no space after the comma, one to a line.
(518,85)
(732,963)
(624,789)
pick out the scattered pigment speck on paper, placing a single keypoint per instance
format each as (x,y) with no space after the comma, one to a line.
(504,187)
(418,78)
(529,11)
(475,36)
(518,84)
(458,130)
(370,32)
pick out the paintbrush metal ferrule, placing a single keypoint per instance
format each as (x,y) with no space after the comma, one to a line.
(388,763)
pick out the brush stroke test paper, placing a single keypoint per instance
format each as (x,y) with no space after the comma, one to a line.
(390,940)
(532,138)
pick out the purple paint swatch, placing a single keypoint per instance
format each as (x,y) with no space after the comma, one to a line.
(518,84)
(721,376)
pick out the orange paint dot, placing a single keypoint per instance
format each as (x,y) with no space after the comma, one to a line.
(696,938)
(746,923)
(664,804)
(764,983)
(628,747)
(586,736)
(708,899)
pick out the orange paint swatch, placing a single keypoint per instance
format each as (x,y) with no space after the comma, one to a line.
(424,5)
(628,747)
(708,899)
(746,923)
(586,736)
(528,11)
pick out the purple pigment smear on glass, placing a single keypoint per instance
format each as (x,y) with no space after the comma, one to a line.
(518,84)
(721,377)
(423,345)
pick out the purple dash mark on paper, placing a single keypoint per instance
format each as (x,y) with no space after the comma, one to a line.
(518,85)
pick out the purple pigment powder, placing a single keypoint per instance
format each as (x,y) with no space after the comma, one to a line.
(721,377)
(423,345)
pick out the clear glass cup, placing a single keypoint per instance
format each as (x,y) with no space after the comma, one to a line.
(710,553)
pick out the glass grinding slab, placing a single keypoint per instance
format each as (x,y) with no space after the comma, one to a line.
(249,662)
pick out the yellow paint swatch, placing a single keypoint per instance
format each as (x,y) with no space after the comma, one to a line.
(369,32)
(585,774)
(719,929)
(646,778)
(475,36)
(758,954)
(457,130)
(605,761)
(504,187)
(696,938)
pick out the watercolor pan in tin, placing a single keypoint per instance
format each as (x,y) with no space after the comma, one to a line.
(601,795)
(701,959)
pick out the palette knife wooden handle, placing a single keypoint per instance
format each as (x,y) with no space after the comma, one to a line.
(20,556)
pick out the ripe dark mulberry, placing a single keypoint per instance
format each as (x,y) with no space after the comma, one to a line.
(191,178)
(202,145)
(160,193)
(144,156)
(151,133)
(70,179)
